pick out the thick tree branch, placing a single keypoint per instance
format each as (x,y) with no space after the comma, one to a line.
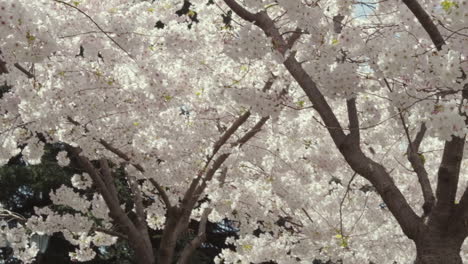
(87,166)
(294,37)
(179,216)
(240,11)
(463,205)
(197,241)
(447,179)
(361,164)
(449,169)
(426,21)
(137,200)
(125,157)
(140,245)
(353,118)
(108,179)
(139,209)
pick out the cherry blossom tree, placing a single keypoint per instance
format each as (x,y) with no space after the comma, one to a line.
(415,66)
(240,115)
(130,97)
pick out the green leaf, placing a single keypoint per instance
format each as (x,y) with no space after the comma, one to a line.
(447,5)
(191,13)
(343,240)
(247,247)
(423,159)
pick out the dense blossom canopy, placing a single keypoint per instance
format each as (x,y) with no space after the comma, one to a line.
(166,103)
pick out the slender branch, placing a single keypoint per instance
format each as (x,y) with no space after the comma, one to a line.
(188,196)
(220,160)
(418,165)
(120,154)
(252,132)
(23,70)
(4,69)
(307,214)
(228,133)
(110,232)
(348,188)
(194,185)
(415,160)
(4,213)
(97,25)
(125,157)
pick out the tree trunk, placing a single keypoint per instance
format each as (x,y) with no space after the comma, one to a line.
(143,254)
(434,248)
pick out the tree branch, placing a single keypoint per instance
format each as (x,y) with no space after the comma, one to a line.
(143,250)
(125,157)
(189,194)
(361,164)
(353,118)
(137,199)
(463,206)
(97,25)
(449,169)
(416,161)
(240,11)
(4,69)
(108,179)
(110,232)
(228,133)
(294,37)
(23,70)
(197,241)
(447,179)
(218,144)
(426,21)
